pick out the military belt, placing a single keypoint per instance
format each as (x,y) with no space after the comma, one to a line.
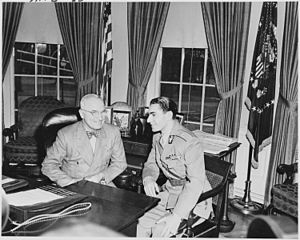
(177,182)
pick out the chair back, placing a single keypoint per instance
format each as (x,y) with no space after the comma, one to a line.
(217,172)
(56,120)
(32,111)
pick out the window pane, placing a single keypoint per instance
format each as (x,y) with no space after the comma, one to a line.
(24,88)
(191,102)
(170,90)
(47,72)
(68,90)
(47,87)
(193,65)
(211,103)
(24,58)
(171,61)
(210,77)
(64,65)
(208,129)
(47,59)
(192,126)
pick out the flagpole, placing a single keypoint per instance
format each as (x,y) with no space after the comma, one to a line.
(245,204)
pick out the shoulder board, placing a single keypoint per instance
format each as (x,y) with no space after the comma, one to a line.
(185,135)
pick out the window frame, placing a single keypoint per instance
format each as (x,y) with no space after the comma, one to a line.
(37,75)
(181,83)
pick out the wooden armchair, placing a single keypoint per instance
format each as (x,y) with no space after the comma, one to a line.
(24,151)
(285,195)
(217,172)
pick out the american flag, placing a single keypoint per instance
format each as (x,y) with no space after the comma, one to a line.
(106,53)
(261,90)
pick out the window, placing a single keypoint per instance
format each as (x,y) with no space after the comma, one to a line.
(43,69)
(187,77)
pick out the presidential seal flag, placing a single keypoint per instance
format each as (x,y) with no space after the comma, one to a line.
(261,89)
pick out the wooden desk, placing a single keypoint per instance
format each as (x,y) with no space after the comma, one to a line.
(114,208)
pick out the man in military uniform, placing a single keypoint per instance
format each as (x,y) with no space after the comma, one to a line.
(179,154)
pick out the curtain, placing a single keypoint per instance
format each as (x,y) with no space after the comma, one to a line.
(227,27)
(81,26)
(146,21)
(10,22)
(285,138)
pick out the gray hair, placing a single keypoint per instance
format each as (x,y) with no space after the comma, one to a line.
(87,97)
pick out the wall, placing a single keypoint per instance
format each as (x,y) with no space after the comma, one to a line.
(180,16)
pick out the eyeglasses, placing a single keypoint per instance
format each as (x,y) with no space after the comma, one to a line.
(95,113)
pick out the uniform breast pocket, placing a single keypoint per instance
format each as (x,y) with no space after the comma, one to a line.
(175,162)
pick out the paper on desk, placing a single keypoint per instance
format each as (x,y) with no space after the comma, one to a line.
(31,197)
(213,143)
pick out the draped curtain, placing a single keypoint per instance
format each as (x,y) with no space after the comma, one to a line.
(81,26)
(227,27)
(285,138)
(146,21)
(10,22)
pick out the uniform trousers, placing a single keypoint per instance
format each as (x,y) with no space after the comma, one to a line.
(147,225)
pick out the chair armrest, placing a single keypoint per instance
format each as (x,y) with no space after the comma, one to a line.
(289,170)
(11,132)
(211,193)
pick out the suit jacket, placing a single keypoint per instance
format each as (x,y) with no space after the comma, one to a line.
(71,157)
(181,158)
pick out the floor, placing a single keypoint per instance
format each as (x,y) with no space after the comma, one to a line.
(242,222)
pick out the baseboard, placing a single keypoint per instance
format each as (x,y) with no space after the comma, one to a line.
(238,192)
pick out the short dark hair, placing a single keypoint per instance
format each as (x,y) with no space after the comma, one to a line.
(166,105)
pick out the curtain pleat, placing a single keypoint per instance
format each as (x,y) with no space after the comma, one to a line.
(81,26)
(11,15)
(146,21)
(285,133)
(227,28)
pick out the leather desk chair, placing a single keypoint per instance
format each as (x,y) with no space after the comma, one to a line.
(56,120)
(24,151)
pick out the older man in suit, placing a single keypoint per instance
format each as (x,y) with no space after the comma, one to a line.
(89,149)
(178,153)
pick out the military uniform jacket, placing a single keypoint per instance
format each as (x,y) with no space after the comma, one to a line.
(71,156)
(181,158)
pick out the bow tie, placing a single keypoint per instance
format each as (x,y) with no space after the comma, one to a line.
(92,133)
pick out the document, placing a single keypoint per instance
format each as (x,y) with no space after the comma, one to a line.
(214,143)
(31,197)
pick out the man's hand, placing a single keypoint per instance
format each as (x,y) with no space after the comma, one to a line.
(151,188)
(95,178)
(170,228)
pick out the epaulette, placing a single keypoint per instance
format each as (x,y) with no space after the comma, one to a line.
(185,135)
